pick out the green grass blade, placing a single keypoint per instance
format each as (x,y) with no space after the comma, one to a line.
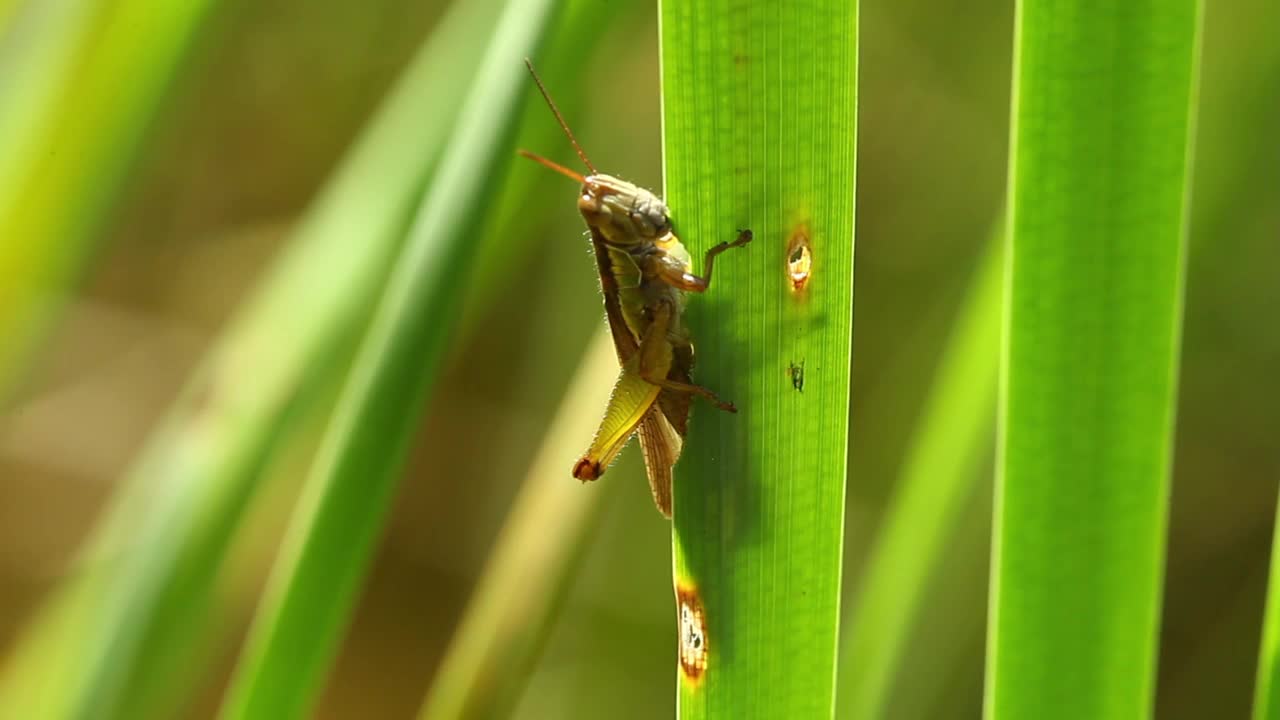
(1266,699)
(137,614)
(81,83)
(952,443)
(6,14)
(330,540)
(541,542)
(1224,228)
(1098,201)
(508,244)
(759,132)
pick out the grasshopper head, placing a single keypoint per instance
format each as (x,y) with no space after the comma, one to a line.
(624,213)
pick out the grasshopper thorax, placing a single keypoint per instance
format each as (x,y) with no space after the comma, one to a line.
(624,213)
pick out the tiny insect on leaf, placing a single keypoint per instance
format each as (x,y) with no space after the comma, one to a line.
(796,372)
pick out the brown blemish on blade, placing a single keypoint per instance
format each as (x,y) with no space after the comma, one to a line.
(799,258)
(695,647)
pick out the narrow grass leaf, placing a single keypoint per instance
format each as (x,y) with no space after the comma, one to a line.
(525,192)
(759,132)
(82,83)
(543,540)
(1266,699)
(1222,226)
(953,441)
(137,607)
(332,536)
(1098,201)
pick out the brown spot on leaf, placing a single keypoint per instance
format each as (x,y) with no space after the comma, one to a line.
(799,258)
(695,646)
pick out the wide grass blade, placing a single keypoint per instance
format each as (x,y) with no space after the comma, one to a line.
(332,535)
(759,132)
(1098,200)
(128,627)
(954,440)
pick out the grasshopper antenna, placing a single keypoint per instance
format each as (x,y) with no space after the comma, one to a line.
(552,165)
(563,125)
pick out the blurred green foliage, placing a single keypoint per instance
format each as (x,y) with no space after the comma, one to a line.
(273,95)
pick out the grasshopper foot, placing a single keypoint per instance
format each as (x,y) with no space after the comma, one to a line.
(744,237)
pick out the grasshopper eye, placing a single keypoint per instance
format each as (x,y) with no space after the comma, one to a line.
(644,223)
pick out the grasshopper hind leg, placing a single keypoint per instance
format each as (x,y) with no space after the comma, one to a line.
(587,469)
(691,389)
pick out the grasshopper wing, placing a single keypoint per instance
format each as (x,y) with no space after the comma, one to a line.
(623,341)
(632,399)
(661,445)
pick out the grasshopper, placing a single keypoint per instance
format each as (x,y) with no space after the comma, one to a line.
(644,274)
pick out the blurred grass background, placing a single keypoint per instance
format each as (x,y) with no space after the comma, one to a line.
(271,96)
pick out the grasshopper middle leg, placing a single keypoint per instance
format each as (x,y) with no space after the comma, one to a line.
(655,360)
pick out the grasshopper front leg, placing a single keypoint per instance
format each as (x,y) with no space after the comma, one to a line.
(679,277)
